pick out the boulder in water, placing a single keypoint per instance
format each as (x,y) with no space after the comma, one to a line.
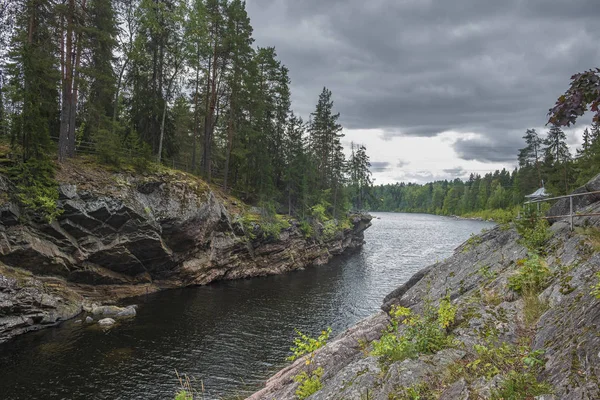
(114,311)
(106,322)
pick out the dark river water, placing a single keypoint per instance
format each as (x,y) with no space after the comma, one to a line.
(227,337)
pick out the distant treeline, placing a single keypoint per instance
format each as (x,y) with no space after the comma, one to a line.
(543,159)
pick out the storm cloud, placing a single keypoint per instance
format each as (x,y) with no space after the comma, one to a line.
(378,166)
(418,68)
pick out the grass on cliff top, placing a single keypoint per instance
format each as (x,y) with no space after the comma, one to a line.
(592,235)
(88,173)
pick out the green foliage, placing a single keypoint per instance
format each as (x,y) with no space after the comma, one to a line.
(330,229)
(471,242)
(519,385)
(319,211)
(137,152)
(270,225)
(446,313)
(273,226)
(534,231)
(421,334)
(596,288)
(507,361)
(186,391)
(184,395)
(532,277)
(533,308)
(109,148)
(37,190)
(309,383)
(304,344)
(307,229)
(118,152)
(592,235)
(418,391)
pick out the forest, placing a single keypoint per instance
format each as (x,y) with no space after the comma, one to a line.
(173,82)
(544,160)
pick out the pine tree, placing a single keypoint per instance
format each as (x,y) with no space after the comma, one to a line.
(325,138)
(530,156)
(100,42)
(360,174)
(557,160)
(240,52)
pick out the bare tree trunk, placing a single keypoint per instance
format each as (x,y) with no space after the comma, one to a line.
(196,95)
(74,95)
(206,121)
(335,201)
(117,91)
(164,114)
(209,120)
(63,140)
(228,152)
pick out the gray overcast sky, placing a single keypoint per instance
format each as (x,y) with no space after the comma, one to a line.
(434,88)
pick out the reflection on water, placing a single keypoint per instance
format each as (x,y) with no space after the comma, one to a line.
(227,336)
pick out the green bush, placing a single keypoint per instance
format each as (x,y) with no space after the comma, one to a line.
(533,276)
(319,212)
(307,229)
(184,395)
(304,344)
(309,384)
(534,231)
(517,366)
(109,147)
(426,333)
(520,385)
(418,391)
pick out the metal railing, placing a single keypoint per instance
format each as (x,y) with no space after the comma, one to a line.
(571,214)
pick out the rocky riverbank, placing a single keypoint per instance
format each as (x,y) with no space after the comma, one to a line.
(502,343)
(125,234)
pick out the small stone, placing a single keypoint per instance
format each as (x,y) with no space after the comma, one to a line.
(106,322)
(89,320)
(106,310)
(77,321)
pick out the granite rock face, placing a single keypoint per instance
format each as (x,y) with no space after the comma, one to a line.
(122,235)
(476,279)
(28,303)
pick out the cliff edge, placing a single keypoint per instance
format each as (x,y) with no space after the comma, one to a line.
(125,234)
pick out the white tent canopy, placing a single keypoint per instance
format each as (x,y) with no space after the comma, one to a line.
(538,194)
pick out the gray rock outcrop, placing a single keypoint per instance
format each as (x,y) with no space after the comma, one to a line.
(124,235)
(29,303)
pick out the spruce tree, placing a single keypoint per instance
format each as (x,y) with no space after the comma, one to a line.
(557,159)
(33,78)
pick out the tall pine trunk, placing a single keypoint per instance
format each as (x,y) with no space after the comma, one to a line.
(196,122)
(209,124)
(67,83)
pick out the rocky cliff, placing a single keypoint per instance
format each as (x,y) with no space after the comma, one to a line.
(503,344)
(125,234)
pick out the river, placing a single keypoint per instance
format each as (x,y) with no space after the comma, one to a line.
(229,336)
